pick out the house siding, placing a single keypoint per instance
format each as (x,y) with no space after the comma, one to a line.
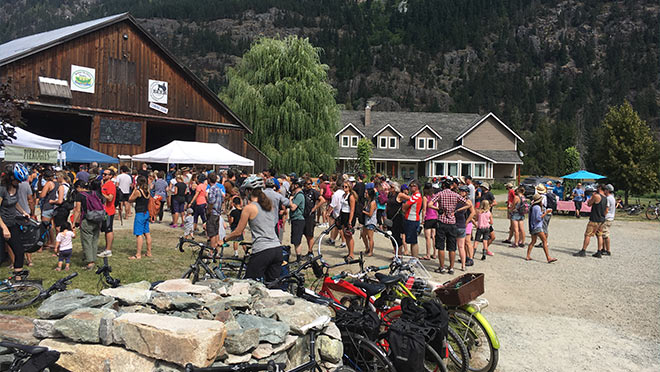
(490,135)
(349,132)
(461,155)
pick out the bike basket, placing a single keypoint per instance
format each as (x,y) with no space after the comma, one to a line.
(459,291)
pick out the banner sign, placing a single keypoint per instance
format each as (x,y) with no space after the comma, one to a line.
(158,91)
(83,79)
(27,155)
(158,108)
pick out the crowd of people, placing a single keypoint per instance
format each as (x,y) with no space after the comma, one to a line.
(448,214)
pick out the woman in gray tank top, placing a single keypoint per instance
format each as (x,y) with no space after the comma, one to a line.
(266,257)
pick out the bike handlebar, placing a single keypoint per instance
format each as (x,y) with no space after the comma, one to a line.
(71,276)
(270,367)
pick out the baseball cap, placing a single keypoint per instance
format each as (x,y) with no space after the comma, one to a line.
(189,211)
(404,187)
(369,186)
(463,188)
(609,187)
(351,179)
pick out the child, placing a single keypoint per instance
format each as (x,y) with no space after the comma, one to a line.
(536,228)
(64,246)
(484,221)
(234,217)
(188,224)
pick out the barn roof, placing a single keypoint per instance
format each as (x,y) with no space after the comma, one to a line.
(20,48)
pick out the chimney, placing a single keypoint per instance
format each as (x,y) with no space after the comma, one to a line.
(367,115)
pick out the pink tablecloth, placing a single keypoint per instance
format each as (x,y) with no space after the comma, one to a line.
(569,206)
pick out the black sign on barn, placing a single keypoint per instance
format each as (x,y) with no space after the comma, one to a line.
(118,131)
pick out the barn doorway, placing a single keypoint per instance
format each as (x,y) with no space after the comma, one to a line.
(160,134)
(63,126)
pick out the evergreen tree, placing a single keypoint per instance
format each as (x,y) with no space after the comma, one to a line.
(364,148)
(281,89)
(571,161)
(627,153)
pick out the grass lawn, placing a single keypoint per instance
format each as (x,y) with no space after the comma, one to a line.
(167,262)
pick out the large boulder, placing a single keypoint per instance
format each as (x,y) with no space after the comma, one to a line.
(270,330)
(174,300)
(99,358)
(129,295)
(45,328)
(83,325)
(181,285)
(17,329)
(297,313)
(173,339)
(330,349)
(240,341)
(62,303)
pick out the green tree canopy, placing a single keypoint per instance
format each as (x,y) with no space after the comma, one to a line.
(571,160)
(627,152)
(364,148)
(281,88)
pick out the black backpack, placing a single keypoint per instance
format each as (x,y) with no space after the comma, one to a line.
(551,201)
(69,199)
(309,202)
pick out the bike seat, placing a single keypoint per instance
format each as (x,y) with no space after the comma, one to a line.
(26,348)
(371,289)
(388,279)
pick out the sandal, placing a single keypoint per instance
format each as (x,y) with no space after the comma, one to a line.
(433,257)
(89,267)
(528,259)
(425,258)
(148,255)
(552,260)
(135,257)
(440,270)
(58,269)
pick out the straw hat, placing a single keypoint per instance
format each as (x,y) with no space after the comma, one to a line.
(537,199)
(485,185)
(540,188)
(509,185)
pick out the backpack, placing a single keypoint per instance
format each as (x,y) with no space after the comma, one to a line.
(551,201)
(69,199)
(95,211)
(309,203)
(33,235)
(523,209)
(382,198)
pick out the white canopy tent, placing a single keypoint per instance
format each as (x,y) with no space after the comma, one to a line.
(29,141)
(189,152)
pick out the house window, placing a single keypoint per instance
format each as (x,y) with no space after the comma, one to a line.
(430,143)
(452,169)
(382,142)
(380,167)
(421,143)
(354,141)
(438,169)
(344,141)
(393,142)
(466,169)
(479,170)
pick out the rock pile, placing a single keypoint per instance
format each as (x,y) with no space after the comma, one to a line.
(212,323)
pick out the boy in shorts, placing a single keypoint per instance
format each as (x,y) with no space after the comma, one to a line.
(234,217)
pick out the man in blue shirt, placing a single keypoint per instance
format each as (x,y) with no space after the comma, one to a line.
(559,190)
(578,198)
(215,198)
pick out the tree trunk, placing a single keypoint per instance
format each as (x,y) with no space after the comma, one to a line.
(626,197)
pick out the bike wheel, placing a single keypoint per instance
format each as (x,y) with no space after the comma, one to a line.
(458,352)
(651,213)
(433,361)
(19,295)
(364,355)
(482,356)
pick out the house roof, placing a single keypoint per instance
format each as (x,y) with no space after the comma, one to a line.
(476,124)
(503,156)
(461,147)
(385,127)
(448,125)
(426,126)
(350,125)
(20,48)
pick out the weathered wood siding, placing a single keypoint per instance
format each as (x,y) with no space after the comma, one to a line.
(490,135)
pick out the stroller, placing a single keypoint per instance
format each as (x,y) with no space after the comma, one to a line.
(34,234)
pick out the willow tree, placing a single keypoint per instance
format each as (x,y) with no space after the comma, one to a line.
(281,89)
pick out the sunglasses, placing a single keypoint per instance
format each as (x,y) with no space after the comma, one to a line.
(106,174)
(308,184)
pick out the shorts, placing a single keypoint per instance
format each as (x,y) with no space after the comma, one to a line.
(141,223)
(342,221)
(468,229)
(546,223)
(536,231)
(370,226)
(265,265)
(178,206)
(445,237)
(380,214)
(239,238)
(48,213)
(108,224)
(65,256)
(517,217)
(310,223)
(123,197)
(482,234)
(606,229)
(61,216)
(594,228)
(410,229)
(297,230)
(360,217)
(213,225)
(430,224)
(460,232)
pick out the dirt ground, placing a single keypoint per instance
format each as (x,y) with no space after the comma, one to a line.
(578,314)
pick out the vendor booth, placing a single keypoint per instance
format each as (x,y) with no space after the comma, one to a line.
(77,153)
(566,206)
(189,152)
(31,148)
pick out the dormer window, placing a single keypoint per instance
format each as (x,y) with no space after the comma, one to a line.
(430,143)
(354,141)
(344,141)
(393,142)
(425,138)
(421,144)
(382,142)
(349,141)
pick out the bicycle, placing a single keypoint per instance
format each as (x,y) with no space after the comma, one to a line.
(29,358)
(105,279)
(21,294)
(634,209)
(312,365)
(653,211)
(206,257)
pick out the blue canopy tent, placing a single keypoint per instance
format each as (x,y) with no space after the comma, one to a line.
(77,153)
(579,175)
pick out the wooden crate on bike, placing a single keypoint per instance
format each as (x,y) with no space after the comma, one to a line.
(461,290)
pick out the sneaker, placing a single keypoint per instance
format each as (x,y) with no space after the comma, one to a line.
(597,254)
(235,253)
(490,253)
(309,255)
(105,253)
(342,245)
(330,241)
(450,271)
(580,253)
(606,253)
(508,241)
(469,262)
(483,257)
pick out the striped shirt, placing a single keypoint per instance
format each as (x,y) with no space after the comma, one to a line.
(415,203)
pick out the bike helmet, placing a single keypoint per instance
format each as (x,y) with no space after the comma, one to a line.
(20,172)
(253,182)
(270,183)
(299,181)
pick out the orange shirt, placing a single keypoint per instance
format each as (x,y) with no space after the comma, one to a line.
(109,188)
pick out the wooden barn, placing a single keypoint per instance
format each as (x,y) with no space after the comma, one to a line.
(110,85)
